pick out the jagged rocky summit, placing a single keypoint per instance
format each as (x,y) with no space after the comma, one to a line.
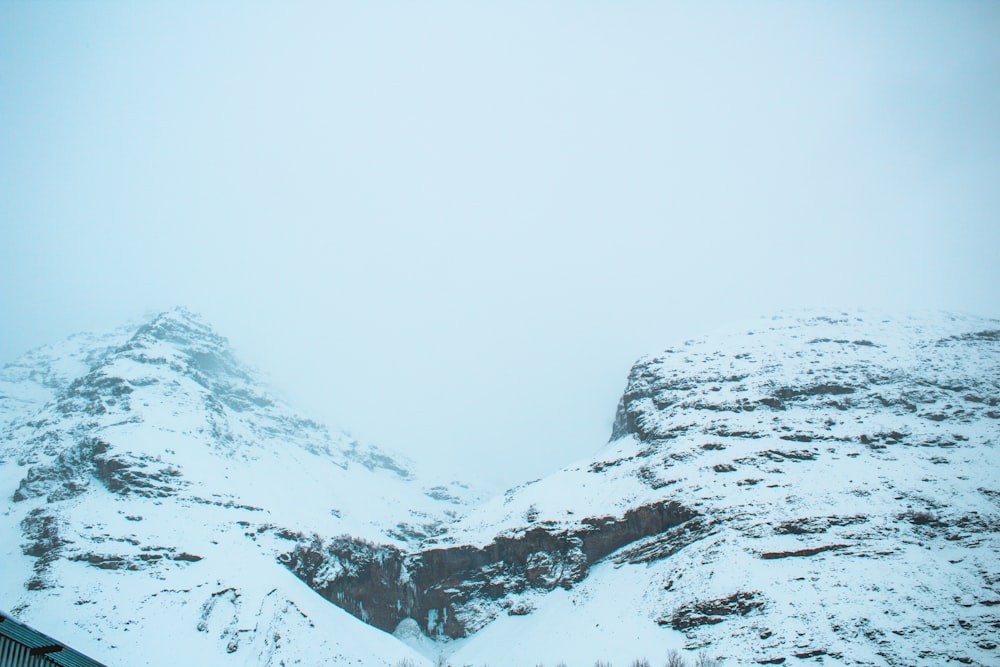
(815,488)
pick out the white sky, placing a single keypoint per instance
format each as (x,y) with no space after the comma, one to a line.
(451,227)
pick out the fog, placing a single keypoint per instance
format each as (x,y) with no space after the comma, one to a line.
(451,227)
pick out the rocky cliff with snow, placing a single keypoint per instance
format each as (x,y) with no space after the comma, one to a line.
(807,489)
(838,475)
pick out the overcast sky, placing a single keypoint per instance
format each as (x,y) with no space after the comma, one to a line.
(451,227)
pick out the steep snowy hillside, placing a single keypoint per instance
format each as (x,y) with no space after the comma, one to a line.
(815,489)
(152,485)
(30,381)
(833,494)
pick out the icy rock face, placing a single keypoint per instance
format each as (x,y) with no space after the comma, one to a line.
(140,466)
(935,379)
(367,580)
(841,469)
(452,592)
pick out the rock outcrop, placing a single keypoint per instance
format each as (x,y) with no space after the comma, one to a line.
(454,591)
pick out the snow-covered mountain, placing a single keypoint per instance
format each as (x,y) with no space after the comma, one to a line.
(815,488)
(152,484)
(811,488)
(818,488)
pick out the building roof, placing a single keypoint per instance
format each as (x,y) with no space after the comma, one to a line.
(43,645)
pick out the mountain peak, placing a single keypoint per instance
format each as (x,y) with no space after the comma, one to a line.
(180,326)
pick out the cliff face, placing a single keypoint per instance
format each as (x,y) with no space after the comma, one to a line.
(454,591)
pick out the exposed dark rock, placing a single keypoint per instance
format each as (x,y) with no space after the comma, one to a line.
(790,393)
(625,420)
(647,475)
(60,480)
(42,532)
(520,610)
(229,504)
(724,432)
(710,612)
(362,578)
(647,388)
(989,335)
(600,466)
(373,459)
(150,556)
(890,438)
(814,525)
(138,474)
(604,535)
(780,456)
(185,557)
(810,654)
(94,394)
(382,586)
(70,473)
(812,551)
(798,437)
(412,533)
(668,543)
(442,493)
(792,455)
(922,518)
(106,562)
(44,541)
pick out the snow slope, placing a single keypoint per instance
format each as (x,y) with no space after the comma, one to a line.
(155,483)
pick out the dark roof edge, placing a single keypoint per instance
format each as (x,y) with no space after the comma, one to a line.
(40,644)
